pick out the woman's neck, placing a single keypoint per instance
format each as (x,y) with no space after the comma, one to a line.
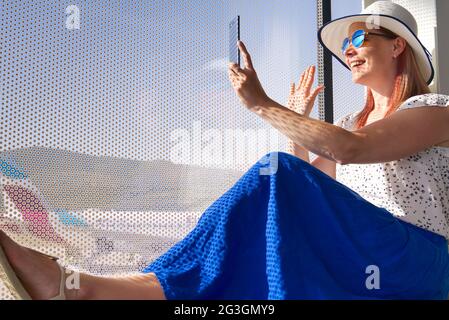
(382,96)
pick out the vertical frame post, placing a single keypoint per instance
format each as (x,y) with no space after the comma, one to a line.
(325,99)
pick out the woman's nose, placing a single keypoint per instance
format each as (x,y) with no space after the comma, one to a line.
(350,51)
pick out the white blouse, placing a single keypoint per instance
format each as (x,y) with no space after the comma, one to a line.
(415,188)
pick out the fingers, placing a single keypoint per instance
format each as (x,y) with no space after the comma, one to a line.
(233,67)
(292,88)
(234,81)
(310,76)
(306,80)
(233,76)
(236,74)
(317,91)
(246,57)
(301,81)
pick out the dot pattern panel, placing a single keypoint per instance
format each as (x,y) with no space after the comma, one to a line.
(119,125)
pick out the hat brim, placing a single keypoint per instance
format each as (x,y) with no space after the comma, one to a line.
(331,36)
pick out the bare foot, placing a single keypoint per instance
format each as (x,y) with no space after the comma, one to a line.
(39,275)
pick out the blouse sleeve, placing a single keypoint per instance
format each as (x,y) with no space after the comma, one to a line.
(345,122)
(428,100)
(340,121)
(425,100)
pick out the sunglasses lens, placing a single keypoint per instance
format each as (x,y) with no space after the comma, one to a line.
(357,38)
(345,45)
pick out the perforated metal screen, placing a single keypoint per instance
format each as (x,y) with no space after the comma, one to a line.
(118,123)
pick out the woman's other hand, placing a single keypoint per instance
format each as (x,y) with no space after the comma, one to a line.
(246,83)
(301,98)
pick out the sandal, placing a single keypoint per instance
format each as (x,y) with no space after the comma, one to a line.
(14,285)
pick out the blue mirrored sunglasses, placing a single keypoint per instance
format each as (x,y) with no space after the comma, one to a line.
(358,37)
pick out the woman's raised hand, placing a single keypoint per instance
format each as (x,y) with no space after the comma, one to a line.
(301,98)
(245,81)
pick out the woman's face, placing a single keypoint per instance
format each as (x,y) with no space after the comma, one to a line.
(376,56)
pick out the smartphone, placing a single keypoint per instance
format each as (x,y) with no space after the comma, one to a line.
(234,36)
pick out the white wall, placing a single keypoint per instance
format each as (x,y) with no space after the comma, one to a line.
(442,67)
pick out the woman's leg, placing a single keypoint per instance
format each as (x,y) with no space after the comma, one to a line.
(44,283)
(41,277)
(135,287)
(299,234)
(294,234)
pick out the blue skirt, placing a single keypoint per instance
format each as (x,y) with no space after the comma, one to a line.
(299,234)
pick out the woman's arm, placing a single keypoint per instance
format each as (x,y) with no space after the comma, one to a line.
(297,151)
(404,133)
(301,100)
(329,167)
(321,138)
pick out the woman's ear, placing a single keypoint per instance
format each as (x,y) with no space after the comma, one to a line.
(398,46)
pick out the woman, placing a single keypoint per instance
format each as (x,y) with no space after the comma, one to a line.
(297,233)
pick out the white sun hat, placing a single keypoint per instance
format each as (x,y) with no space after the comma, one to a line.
(384,14)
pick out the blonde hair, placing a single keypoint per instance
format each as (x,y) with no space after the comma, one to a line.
(409,82)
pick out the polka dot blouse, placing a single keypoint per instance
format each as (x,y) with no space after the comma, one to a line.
(415,188)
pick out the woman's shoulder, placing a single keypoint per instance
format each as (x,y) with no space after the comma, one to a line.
(424,100)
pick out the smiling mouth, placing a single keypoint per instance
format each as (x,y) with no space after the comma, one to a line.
(357,64)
